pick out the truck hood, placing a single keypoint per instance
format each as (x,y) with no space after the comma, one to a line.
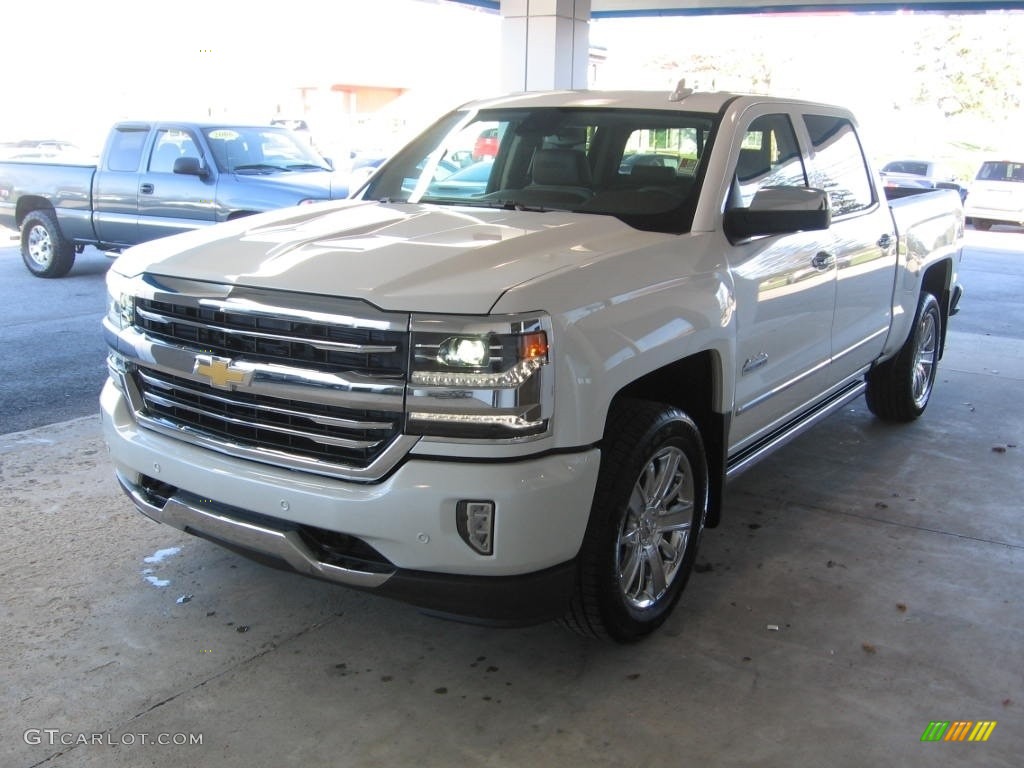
(395,256)
(320,185)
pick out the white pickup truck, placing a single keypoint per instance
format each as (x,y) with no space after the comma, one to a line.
(514,391)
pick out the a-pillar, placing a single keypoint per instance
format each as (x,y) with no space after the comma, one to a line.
(545,44)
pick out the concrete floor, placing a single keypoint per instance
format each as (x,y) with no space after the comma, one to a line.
(891,559)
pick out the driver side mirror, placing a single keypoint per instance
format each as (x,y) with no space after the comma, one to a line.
(190,166)
(779,211)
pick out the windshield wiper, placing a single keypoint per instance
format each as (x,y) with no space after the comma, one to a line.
(468,202)
(259,167)
(515,205)
(312,166)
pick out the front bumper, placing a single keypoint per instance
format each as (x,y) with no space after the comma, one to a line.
(401,538)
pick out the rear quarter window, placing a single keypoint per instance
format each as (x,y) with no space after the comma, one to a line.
(125,151)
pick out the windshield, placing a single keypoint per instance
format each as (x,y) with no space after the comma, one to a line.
(239,149)
(642,166)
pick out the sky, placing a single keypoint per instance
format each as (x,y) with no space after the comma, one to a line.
(97,61)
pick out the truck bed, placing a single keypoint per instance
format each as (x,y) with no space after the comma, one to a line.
(67,186)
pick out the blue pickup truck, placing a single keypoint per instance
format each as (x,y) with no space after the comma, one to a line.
(157,179)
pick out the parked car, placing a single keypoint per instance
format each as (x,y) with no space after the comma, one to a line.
(901,184)
(362,166)
(657,160)
(526,404)
(465,182)
(40,149)
(910,174)
(927,168)
(486,144)
(997,194)
(300,128)
(294,124)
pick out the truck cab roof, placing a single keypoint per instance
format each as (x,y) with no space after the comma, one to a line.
(684,100)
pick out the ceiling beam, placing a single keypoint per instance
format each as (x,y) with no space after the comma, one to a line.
(618,9)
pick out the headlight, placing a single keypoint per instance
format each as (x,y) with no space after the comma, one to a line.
(120,315)
(492,360)
(480,379)
(120,301)
(464,351)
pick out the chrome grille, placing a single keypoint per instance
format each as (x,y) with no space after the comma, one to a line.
(310,430)
(263,337)
(324,379)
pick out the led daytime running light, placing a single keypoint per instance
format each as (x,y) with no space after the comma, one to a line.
(513,422)
(509,379)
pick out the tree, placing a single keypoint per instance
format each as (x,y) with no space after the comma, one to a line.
(964,66)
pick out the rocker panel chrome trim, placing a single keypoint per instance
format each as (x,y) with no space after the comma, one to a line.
(746,458)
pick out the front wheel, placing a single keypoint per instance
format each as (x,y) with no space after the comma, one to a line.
(645,523)
(899,388)
(44,248)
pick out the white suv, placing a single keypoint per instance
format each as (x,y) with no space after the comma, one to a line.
(997,195)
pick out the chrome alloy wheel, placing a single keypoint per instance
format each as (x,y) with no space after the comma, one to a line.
(40,246)
(656,528)
(926,355)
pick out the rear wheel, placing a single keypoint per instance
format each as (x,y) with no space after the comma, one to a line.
(44,249)
(645,524)
(899,388)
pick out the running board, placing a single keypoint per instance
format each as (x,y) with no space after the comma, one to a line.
(746,458)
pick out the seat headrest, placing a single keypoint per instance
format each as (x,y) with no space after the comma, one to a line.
(751,164)
(560,167)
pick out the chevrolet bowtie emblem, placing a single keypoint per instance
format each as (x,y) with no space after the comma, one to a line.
(219,371)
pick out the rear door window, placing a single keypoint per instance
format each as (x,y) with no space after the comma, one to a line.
(839,165)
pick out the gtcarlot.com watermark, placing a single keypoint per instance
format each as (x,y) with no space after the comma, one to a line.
(54,737)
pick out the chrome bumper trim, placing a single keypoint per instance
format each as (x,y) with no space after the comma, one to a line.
(213,521)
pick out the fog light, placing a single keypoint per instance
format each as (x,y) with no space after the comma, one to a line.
(475,521)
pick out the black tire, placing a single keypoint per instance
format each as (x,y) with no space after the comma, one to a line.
(639,548)
(899,388)
(44,249)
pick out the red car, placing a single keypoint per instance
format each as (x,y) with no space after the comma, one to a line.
(486,144)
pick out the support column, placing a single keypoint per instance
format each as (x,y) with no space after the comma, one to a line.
(545,44)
